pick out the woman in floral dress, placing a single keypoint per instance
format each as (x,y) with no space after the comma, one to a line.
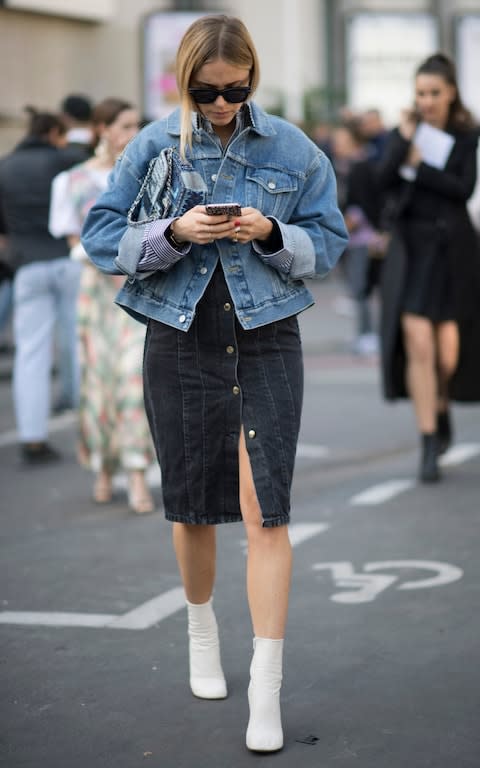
(114,433)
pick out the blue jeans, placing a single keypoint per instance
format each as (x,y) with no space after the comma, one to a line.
(66,347)
(44,294)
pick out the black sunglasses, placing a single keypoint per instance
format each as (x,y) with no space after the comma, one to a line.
(209,95)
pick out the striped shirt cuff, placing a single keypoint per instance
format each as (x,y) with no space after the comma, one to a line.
(280,259)
(157,251)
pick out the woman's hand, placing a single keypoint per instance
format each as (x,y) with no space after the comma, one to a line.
(196,226)
(408,123)
(251,225)
(414,156)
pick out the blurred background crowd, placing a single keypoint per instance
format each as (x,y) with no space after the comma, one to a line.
(343,73)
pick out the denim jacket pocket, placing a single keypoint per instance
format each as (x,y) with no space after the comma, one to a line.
(270,190)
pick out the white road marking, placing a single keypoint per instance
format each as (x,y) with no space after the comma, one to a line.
(457,454)
(298,533)
(365,587)
(144,616)
(152,611)
(56,619)
(361,587)
(377,494)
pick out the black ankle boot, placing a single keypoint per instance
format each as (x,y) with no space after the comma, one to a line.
(429,472)
(444,431)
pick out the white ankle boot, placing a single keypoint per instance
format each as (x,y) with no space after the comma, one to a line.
(264,732)
(207,680)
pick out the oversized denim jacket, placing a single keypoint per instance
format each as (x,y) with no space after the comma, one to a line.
(270,165)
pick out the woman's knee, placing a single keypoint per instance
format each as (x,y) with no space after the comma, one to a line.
(191,532)
(447,366)
(419,343)
(448,350)
(265,536)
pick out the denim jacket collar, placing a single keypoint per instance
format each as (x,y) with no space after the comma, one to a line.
(258,119)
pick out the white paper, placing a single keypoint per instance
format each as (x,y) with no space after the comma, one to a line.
(434,145)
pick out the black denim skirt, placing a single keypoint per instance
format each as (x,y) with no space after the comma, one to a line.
(201,387)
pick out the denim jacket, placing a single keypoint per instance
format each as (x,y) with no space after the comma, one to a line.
(270,165)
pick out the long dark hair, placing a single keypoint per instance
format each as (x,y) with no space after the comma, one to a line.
(440,64)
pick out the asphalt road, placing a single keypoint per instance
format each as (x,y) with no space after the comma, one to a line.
(382,659)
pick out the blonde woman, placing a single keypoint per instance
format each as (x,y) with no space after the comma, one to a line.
(220,289)
(114,432)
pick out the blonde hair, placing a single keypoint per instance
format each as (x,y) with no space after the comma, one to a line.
(207,39)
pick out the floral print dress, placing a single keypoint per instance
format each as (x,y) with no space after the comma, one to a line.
(113,428)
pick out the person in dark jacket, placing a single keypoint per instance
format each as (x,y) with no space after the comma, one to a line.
(41,263)
(361,208)
(431,321)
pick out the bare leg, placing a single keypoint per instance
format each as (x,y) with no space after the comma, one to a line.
(448,343)
(102,489)
(269,562)
(423,386)
(421,372)
(269,566)
(195,549)
(139,496)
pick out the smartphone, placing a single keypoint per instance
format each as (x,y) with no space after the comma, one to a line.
(223,209)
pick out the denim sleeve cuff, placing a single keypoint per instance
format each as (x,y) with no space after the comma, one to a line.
(158,253)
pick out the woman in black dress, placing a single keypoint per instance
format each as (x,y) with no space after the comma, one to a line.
(430,322)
